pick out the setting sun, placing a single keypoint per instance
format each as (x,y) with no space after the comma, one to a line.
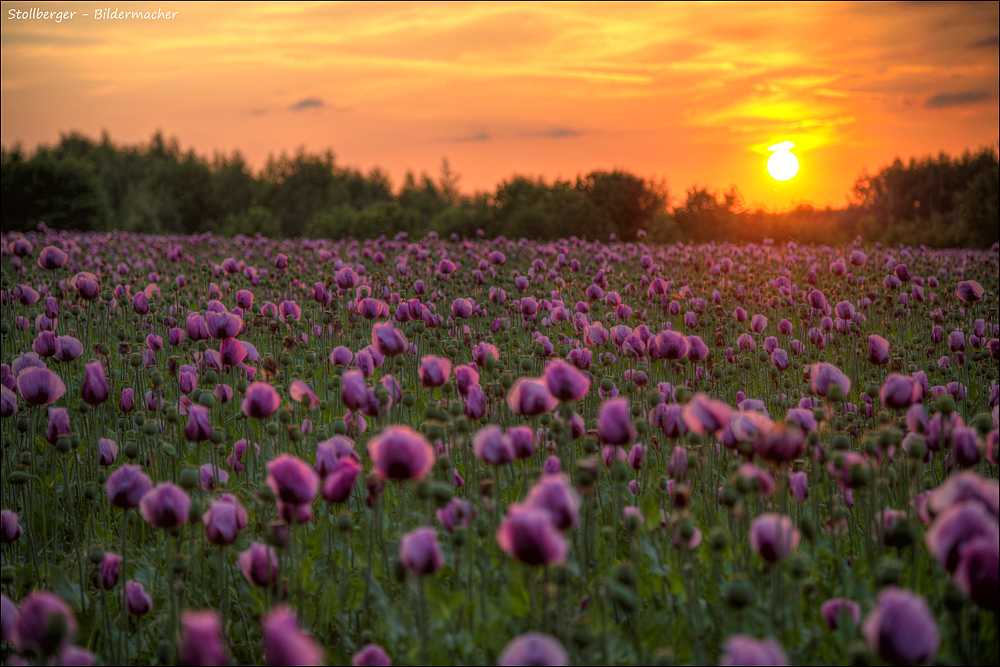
(782,165)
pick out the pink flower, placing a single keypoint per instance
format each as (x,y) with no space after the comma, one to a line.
(554,495)
(224,520)
(371,655)
(529,536)
(490,445)
(292,480)
(137,600)
(529,397)
(533,648)
(259,565)
(44,625)
(901,628)
(744,650)
(419,551)
(40,386)
(201,639)
(564,382)
(773,536)
(260,401)
(434,371)
(127,486)
(285,643)
(166,506)
(401,453)
(339,483)
(614,422)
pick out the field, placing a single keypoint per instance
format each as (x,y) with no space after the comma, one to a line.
(478,451)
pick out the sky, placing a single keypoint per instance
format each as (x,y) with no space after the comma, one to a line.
(692,94)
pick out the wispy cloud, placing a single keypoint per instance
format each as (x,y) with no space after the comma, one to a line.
(986,43)
(307,103)
(943,100)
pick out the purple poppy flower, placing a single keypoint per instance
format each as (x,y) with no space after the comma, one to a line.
(8,403)
(401,453)
(10,529)
(127,486)
(533,648)
(780,444)
(371,655)
(224,520)
(127,401)
(773,536)
(456,514)
(389,340)
(339,483)
(492,446)
(52,258)
(293,481)
(706,415)
(40,386)
(832,609)
(201,639)
(58,425)
(969,291)
(901,628)
(285,643)
(199,425)
(878,350)
(137,600)
(614,422)
(38,632)
(166,506)
(554,495)
(522,439)
(260,401)
(955,526)
(106,576)
(529,536)
(744,650)
(977,573)
(419,551)
(825,376)
(434,371)
(798,486)
(46,344)
(259,564)
(107,451)
(564,382)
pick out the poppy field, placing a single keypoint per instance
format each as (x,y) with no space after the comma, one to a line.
(496,451)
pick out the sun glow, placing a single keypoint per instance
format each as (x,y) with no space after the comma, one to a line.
(782,165)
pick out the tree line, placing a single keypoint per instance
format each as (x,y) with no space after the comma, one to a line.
(84,184)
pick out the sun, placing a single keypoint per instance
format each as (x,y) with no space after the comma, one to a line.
(782,165)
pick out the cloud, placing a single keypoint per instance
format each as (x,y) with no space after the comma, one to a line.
(307,103)
(482,135)
(560,132)
(986,43)
(943,100)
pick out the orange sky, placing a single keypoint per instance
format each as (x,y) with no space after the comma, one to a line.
(691,93)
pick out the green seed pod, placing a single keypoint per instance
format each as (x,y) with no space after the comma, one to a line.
(189,478)
(718,539)
(888,573)
(739,594)
(345,523)
(131,449)
(272,430)
(150,427)
(7,575)
(206,399)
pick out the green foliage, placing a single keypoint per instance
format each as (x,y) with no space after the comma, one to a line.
(62,192)
(157,188)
